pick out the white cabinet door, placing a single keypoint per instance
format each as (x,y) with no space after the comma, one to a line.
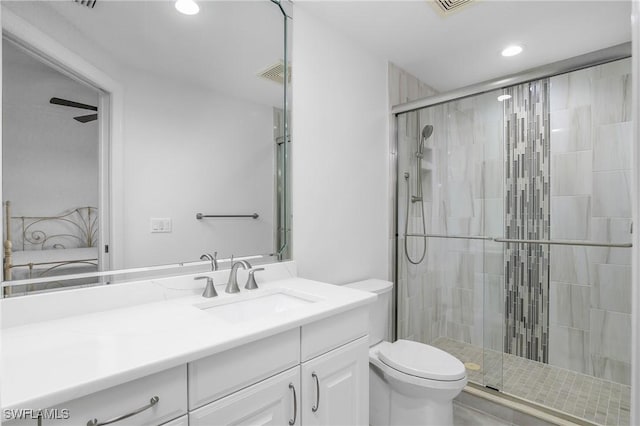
(274,401)
(335,386)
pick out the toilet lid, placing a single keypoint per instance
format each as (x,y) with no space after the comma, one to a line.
(422,360)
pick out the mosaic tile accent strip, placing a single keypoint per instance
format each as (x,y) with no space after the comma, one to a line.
(580,395)
(527,205)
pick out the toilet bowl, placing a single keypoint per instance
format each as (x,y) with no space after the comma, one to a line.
(410,383)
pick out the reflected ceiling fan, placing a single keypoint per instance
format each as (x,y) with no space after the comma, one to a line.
(72,104)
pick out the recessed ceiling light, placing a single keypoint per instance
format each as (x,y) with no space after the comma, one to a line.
(188,7)
(502,98)
(512,50)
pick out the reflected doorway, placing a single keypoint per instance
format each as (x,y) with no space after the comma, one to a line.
(53,168)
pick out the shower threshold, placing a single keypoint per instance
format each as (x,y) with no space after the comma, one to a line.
(513,410)
(550,388)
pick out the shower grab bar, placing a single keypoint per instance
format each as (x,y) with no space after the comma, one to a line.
(456,237)
(563,242)
(202,216)
(524,241)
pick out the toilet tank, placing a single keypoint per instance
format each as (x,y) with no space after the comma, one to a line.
(380,311)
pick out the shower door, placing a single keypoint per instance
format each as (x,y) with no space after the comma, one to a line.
(450,273)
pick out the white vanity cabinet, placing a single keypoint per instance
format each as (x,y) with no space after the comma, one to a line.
(331,389)
(312,374)
(329,385)
(335,386)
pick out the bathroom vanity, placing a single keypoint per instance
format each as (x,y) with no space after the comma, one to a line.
(292,352)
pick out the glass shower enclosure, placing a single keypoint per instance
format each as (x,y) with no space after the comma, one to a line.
(514,230)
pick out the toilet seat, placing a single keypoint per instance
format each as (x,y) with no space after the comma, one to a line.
(420,360)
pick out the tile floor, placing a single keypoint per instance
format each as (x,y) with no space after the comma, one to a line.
(595,400)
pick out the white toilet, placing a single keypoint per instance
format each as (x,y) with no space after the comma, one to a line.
(410,383)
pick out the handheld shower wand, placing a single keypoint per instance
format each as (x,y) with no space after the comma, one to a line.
(427,131)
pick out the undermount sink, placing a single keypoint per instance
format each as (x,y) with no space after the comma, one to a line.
(254,308)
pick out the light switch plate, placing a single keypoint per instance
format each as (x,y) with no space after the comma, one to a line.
(160,224)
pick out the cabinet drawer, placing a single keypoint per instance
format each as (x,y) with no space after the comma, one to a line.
(268,402)
(170,386)
(322,336)
(218,375)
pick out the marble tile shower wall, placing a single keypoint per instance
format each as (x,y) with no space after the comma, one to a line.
(590,288)
(416,291)
(526,146)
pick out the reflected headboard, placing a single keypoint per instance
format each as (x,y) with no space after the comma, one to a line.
(42,240)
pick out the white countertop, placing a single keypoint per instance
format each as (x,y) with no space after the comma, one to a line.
(48,363)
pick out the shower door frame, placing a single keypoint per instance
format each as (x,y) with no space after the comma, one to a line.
(635,256)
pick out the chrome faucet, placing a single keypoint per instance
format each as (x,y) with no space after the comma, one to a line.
(209,290)
(213,259)
(232,284)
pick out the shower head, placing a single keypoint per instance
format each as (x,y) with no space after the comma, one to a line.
(427,131)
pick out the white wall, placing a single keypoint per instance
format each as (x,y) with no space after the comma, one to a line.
(340,152)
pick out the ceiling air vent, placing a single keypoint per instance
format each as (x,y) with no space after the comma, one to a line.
(89,3)
(447,7)
(275,73)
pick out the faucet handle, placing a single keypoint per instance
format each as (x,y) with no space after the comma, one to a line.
(251,281)
(209,290)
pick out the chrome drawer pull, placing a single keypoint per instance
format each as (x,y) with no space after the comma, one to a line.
(317,404)
(153,401)
(295,405)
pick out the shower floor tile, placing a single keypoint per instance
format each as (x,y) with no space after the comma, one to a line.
(589,398)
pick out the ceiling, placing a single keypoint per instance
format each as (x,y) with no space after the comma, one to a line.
(229,42)
(33,83)
(222,48)
(464,48)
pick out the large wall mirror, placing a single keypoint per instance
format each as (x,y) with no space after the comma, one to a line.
(134,136)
